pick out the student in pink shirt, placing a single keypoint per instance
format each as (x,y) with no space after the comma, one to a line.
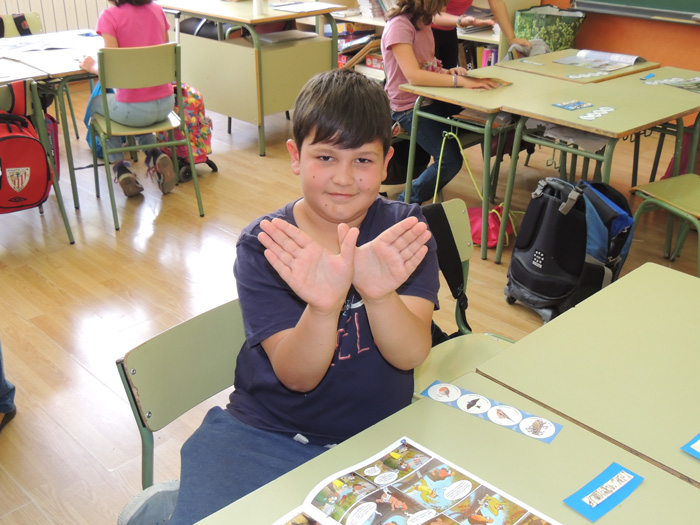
(135,23)
(408,49)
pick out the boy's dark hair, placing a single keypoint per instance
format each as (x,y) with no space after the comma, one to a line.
(343,108)
(132,2)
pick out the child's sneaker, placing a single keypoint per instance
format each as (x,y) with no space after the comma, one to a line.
(163,170)
(153,506)
(127,180)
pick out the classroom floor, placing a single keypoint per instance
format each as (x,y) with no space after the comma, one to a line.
(72,454)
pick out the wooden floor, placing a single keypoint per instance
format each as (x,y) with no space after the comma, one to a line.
(68,312)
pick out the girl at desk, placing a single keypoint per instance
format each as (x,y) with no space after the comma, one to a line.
(135,23)
(408,49)
(452,16)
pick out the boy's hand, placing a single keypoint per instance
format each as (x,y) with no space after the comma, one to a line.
(384,264)
(320,278)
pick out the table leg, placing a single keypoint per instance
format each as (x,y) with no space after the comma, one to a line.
(59,95)
(486,186)
(412,149)
(509,188)
(694,148)
(680,129)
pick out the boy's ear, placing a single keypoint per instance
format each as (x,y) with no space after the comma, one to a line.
(387,158)
(294,154)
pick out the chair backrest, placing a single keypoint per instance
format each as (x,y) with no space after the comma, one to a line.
(178,369)
(33,22)
(449,223)
(139,67)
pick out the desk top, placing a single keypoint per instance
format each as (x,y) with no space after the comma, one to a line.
(52,55)
(633,109)
(623,363)
(490,101)
(242,12)
(545,65)
(540,475)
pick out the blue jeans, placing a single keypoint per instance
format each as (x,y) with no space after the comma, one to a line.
(137,114)
(7,390)
(226,459)
(430,139)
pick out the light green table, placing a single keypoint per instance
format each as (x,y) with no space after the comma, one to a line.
(488,102)
(539,474)
(545,65)
(635,110)
(623,363)
(245,78)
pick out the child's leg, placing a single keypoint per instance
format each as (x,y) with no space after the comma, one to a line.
(159,164)
(430,139)
(7,391)
(226,459)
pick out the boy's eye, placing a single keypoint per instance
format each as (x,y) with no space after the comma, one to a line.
(364,160)
(325,158)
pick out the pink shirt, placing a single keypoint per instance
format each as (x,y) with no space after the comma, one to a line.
(136,26)
(399,30)
(454,7)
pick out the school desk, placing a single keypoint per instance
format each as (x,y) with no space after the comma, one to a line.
(246,78)
(488,102)
(623,364)
(657,90)
(539,474)
(54,66)
(624,112)
(546,65)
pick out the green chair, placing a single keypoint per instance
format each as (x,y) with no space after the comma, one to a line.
(37,117)
(178,369)
(139,67)
(680,197)
(465,351)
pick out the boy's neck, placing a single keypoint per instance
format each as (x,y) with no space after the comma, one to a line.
(320,230)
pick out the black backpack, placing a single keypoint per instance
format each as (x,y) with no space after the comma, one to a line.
(572,242)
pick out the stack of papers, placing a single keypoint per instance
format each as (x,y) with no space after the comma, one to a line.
(477,12)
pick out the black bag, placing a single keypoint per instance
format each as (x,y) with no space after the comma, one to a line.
(572,242)
(398,165)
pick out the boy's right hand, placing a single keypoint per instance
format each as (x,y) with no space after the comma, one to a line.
(320,278)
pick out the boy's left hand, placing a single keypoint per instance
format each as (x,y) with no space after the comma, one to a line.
(384,264)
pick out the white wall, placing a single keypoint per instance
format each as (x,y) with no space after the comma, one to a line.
(59,15)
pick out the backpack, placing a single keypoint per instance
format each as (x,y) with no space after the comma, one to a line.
(572,242)
(198,126)
(25,174)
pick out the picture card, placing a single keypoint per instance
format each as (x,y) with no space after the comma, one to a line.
(572,105)
(693,447)
(605,492)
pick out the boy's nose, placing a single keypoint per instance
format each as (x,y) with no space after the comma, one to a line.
(343,175)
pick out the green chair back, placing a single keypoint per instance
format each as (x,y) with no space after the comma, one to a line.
(178,369)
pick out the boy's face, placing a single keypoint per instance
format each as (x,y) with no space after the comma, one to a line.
(339,185)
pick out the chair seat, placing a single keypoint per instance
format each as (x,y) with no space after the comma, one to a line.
(682,192)
(120,130)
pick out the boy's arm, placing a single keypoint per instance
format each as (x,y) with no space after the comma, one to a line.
(300,356)
(400,324)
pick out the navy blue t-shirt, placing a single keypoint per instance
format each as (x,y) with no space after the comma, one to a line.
(360,387)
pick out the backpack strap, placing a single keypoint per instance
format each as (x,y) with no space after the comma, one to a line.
(18,97)
(448,255)
(21,24)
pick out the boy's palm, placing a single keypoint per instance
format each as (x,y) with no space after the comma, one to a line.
(384,264)
(319,277)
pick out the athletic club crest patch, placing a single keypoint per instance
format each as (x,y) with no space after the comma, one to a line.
(18,178)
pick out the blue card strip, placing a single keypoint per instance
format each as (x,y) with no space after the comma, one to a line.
(693,447)
(485,408)
(605,492)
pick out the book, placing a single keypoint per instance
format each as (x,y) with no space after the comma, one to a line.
(482,13)
(600,60)
(408,483)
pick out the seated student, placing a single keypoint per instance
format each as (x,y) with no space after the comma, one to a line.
(408,49)
(337,291)
(452,16)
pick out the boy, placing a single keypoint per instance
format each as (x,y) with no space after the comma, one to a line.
(337,291)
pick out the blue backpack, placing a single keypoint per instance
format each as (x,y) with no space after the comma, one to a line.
(572,242)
